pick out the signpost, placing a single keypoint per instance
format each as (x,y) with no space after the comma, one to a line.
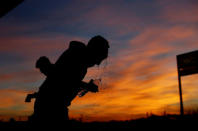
(187,64)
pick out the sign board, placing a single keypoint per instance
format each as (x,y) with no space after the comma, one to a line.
(187,63)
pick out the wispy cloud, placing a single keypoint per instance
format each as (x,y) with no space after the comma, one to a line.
(144,77)
(12,103)
(179,11)
(141,73)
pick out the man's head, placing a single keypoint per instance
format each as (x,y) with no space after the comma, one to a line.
(97,48)
(44,64)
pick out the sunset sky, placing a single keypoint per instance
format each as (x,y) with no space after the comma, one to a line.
(140,75)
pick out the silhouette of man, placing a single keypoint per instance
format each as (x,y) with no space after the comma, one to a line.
(46,67)
(64,79)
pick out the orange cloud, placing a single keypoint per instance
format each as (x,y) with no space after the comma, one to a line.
(139,79)
(32,45)
(179,11)
(142,78)
(12,103)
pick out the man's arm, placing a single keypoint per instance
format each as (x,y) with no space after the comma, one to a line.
(89,86)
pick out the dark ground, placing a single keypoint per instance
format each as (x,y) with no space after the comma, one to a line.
(169,122)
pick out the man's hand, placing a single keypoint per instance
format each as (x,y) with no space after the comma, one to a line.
(92,87)
(28,98)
